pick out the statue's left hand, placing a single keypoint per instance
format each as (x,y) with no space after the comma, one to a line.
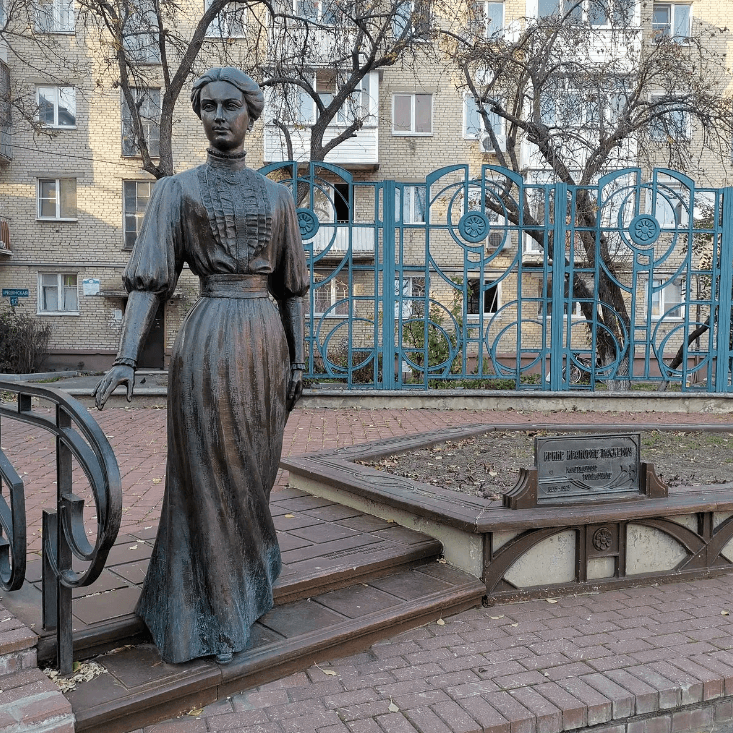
(295,388)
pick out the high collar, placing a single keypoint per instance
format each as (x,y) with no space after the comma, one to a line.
(217,159)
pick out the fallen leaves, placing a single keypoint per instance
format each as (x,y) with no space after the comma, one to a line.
(83,672)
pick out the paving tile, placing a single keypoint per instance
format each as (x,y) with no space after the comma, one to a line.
(623,701)
(669,694)
(574,712)
(357,601)
(456,717)
(599,707)
(299,618)
(548,717)
(646,697)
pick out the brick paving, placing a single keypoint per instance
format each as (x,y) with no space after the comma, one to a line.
(534,667)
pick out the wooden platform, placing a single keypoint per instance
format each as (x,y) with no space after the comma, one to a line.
(349,579)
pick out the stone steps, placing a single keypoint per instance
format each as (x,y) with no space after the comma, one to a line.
(29,701)
(139,689)
(325,546)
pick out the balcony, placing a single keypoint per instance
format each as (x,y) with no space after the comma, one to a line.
(4,239)
(361,151)
(332,240)
(6,148)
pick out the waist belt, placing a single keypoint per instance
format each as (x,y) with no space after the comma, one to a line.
(234,286)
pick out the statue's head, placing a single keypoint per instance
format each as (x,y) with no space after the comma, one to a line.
(228,102)
(250,89)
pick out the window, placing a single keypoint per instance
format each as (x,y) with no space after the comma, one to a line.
(671,122)
(548,8)
(56,198)
(317,11)
(57,293)
(140,33)
(411,19)
(473,125)
(148,102)
(412,114)
(330,296)
(136,195)
(229,23)
(487,18)
(55,16)
(594,12)
(482,299)
(410,204)
(666,299)
(573,308)
(56,106)
(409,296)
(297,106)
(671,206)
(671,20)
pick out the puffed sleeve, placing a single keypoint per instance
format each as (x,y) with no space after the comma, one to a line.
(290,277)
(157,257)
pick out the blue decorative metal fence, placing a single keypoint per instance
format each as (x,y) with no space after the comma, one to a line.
(494,280)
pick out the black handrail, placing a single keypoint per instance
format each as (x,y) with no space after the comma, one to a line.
(77,436)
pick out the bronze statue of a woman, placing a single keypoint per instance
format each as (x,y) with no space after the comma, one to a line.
(235,371)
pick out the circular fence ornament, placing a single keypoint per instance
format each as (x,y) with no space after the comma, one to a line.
(644,230)
(474,226)
(308,222)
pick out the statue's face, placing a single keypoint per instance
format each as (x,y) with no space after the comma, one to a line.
(224,115)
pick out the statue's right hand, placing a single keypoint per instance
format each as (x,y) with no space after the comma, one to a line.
(116,376)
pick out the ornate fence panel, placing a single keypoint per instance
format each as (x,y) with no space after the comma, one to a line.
(499,281)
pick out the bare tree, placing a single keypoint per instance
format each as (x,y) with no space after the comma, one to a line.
(320,49)
(316,65)
(589,87)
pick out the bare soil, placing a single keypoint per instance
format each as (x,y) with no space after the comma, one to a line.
(487,464)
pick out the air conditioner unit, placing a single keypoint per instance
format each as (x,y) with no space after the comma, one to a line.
(484,142)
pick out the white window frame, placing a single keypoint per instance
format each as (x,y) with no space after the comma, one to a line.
(686,122)
(148,121)
(303,111)
(498,124)
(136,216)
(669,209)
(583,13)
(413,103)
(407,204)
(664,30)
(403,18)
(660,301)
(63,293)
(58,91)
(55,16)
(59,183)
(485,14)
(337,288)
(411,286)
(231,22)
(482,298)
(321,8)
(140,35)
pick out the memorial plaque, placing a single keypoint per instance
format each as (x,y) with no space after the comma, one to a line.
(586,468)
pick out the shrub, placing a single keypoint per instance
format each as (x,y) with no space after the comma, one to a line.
(23,342)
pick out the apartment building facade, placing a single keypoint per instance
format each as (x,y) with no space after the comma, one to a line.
(72,195)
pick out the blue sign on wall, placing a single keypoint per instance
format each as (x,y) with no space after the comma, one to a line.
(16,293)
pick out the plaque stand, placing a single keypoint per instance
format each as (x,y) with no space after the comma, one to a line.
(523,495)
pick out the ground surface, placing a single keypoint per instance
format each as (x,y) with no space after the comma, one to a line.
(487,464)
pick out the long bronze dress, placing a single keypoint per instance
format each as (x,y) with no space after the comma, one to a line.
(216,554)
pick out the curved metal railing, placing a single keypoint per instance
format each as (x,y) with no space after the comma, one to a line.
(78,437)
